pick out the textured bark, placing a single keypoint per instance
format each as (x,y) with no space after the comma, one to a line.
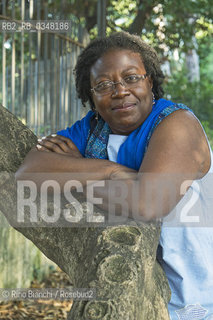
(118,261)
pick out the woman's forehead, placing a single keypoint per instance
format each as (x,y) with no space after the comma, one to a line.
(117,59)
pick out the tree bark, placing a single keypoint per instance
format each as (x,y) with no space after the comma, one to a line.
(119,262)
(145,9)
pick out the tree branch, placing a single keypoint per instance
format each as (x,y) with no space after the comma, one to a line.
(144,12)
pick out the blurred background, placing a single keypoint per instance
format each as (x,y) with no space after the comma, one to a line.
(37,81)
(36,75)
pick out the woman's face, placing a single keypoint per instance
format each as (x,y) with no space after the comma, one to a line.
(124,109)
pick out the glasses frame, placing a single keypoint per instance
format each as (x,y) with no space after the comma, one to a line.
(123,83)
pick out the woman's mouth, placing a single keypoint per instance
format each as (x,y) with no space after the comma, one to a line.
(124,106)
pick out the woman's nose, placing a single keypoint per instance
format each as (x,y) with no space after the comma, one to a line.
(120,89)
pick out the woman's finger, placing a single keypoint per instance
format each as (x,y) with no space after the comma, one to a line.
(69,142)
(42,148)
(60,143)
(52,146)
(64,143)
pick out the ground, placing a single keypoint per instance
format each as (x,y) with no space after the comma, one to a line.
(39,309)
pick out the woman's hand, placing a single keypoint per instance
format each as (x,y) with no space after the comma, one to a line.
(58,144)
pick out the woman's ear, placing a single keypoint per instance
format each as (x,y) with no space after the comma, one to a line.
(150,82)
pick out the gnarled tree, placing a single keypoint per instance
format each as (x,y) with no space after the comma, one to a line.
(119,262)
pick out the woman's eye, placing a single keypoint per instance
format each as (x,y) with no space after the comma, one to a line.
(104,85)
(131,78)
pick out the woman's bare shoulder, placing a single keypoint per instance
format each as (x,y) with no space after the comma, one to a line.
(178,143)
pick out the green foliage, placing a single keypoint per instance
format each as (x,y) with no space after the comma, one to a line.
(209,131)
(120,15)
(173,23)
(196,95)
(205,51)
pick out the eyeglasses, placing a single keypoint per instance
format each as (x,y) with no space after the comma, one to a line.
(107,87)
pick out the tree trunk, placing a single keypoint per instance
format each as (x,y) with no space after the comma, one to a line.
(192,57)
(144,10)
(192,63)
(118,261)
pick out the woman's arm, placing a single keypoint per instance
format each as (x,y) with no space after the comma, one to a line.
(177,154)
(57,158)
(178,151)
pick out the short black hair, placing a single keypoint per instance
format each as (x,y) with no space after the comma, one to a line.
(119,40)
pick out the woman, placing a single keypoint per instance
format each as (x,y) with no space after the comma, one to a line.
(158,148)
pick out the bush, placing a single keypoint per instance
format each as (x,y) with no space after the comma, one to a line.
(196,95)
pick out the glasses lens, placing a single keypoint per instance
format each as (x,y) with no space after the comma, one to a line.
(104,88)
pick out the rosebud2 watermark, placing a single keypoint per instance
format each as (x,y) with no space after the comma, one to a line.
(48,294)
(110,202)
